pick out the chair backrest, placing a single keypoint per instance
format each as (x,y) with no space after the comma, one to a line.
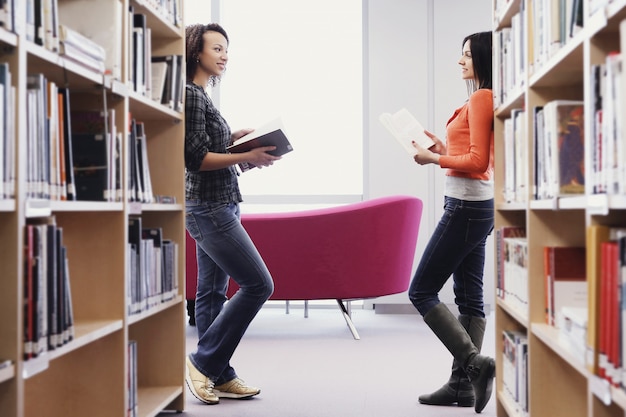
(355,251)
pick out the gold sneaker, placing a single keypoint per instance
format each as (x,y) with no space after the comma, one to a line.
(199,385)
(235,388)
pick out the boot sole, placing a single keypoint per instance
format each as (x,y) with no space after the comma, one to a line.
(450,404)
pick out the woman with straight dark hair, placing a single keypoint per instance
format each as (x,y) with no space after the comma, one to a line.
(457,246)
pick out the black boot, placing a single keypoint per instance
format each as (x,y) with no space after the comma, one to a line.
(480,369)
(458,390)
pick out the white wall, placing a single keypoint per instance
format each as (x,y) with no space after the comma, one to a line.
(412,49)
(412,53)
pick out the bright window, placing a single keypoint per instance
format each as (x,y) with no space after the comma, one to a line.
(301,61)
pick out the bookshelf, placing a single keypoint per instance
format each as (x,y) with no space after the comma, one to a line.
(561,378)
(91,373)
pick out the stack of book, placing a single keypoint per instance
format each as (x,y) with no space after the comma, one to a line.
(81,49)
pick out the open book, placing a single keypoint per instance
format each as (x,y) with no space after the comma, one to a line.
(405,128)
(270,134)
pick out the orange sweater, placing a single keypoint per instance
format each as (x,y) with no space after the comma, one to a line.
(470,138)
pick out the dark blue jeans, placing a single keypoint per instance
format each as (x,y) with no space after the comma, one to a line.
(224,250)
(457,248)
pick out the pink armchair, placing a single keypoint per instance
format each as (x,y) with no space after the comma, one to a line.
(351,252)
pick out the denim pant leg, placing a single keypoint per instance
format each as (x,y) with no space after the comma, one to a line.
(457,247)
(224,250)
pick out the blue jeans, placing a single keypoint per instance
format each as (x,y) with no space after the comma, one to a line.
(224,250)
(457,248)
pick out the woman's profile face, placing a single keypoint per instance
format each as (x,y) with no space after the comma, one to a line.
(466,63)
(214,55)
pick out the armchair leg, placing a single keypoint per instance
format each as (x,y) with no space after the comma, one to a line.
(347,313)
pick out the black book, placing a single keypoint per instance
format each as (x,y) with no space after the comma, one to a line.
(90,152)
(90,166)
(67,142)
(270,134)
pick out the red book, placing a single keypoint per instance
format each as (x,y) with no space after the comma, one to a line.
(615,312)
(606,318)
(565,273)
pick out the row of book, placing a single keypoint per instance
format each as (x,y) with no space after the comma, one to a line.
(606,333)
(48,315)
(512,267)
(551,25)
(509,49)
(77,154)
(159,77)
(7,134)
(71,154)
(515,158)
(93,39)
(152,273)
(564,274)
(558,148)
(607,145)
(584,294)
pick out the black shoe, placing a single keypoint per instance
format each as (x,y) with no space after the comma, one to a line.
(481,370)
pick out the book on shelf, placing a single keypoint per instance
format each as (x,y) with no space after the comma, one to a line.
(37,157)
(599,238)
(7,132)
(103,24)
(93,147)
(170,272)
(502,234)
(82,50)
(610,334)
(561,149)
(515,155)
(515,367)
(66,133)
(136,289)
(598,91)
(513,273)
(172,80)
(573,330)
(143,164)
(48,315)
(269,134)
(153,238)
(7,15)
(159,74)
(565,279)
(7,146)
(405,128)
(133,397)
(138,55)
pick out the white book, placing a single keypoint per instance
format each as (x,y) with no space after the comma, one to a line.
(103,24)
(405,129)
(159,72)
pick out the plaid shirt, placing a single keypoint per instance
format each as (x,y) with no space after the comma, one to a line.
(206,131)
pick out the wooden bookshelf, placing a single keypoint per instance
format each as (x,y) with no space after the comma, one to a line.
(560,382)
(89,375)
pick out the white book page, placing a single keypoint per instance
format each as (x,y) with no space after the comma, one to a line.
(406,129)
(275,124)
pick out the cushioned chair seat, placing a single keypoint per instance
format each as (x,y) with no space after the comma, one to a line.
(355,251)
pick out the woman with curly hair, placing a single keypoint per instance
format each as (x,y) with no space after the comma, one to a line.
(223,248)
